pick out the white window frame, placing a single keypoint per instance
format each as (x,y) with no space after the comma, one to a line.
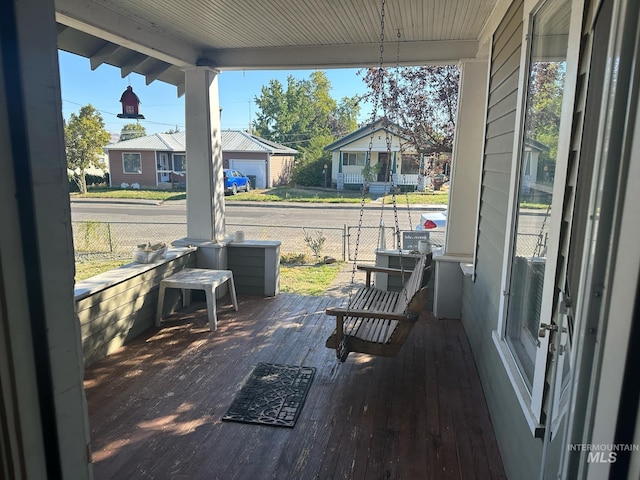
(124,165)
(531,402)
(173,162)
(364,161)
(402,158)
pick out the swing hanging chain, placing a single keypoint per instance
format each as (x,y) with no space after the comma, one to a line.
(355,253)
(393,182)
(376,101)
(382,33)
(541,244)
(389,177)
(406,192)
(342,348)
(395,114)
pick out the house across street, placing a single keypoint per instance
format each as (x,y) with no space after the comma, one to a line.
(160,160)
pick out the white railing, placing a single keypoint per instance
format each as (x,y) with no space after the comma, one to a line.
(352,178)
(402,179)
(406,179)
(168,175)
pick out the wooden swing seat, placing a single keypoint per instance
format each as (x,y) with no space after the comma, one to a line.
(378,322)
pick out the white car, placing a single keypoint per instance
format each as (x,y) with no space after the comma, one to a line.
(432,220)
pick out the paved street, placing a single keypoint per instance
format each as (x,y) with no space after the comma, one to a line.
(312,215)
(131,223)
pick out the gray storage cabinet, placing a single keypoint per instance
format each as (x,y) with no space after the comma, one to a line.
(256,267)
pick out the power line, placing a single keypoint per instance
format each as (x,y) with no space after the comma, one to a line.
(115,114)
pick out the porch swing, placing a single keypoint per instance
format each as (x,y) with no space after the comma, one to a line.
(377,322)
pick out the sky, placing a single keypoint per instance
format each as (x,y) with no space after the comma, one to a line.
(159,102)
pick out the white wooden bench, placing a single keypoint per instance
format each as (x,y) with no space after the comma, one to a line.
(198,279)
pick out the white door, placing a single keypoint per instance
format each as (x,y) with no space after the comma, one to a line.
(164,167)
(253,168)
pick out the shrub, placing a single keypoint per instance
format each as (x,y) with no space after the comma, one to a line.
(310,173)
(92,181)
(315,242)
(294,259)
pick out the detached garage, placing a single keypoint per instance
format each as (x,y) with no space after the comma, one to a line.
(268,164)
(254,169)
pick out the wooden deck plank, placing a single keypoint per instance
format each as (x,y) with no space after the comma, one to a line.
(156,405)
(432,403)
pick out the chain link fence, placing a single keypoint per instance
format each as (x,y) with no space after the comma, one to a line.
(94,240)
(531,245)
(114,240)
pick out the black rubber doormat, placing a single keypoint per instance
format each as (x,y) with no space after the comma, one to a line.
(273,395)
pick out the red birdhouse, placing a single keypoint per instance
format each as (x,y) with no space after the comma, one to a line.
(130,102)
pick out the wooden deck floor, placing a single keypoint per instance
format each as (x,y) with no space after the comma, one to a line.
(155,406)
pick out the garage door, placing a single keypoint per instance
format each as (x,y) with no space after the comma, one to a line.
(252,168)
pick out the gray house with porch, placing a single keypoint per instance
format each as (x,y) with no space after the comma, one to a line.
(349,156)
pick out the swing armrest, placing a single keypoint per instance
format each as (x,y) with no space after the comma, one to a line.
(391,271)
(341,312)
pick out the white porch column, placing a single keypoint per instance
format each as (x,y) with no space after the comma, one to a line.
(205,184)
(467,158)
(465,187)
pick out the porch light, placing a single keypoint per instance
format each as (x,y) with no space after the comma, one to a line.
(130,102)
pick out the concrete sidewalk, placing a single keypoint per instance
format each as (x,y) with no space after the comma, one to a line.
(116,201)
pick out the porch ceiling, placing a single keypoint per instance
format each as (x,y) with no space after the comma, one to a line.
(160,38)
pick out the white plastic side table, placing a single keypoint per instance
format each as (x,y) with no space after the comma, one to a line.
(198,279)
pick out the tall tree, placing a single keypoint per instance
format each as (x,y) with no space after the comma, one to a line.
(305,109)
(132,130)
(545,105)
(421,100)
(173,130)
(85,136)
(305,116)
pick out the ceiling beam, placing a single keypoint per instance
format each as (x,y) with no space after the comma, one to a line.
(341,56)
(158,69)
(102,55)
(97,20)
(133,64)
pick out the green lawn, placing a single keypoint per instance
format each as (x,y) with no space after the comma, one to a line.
(285,194)
(298,194)
(104,192)
(426,198)
(277,194)
(300,279)
(308,279)
(311,195)
(86,270)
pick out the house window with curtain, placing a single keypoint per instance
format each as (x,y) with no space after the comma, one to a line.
(354,158)
(131,163)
